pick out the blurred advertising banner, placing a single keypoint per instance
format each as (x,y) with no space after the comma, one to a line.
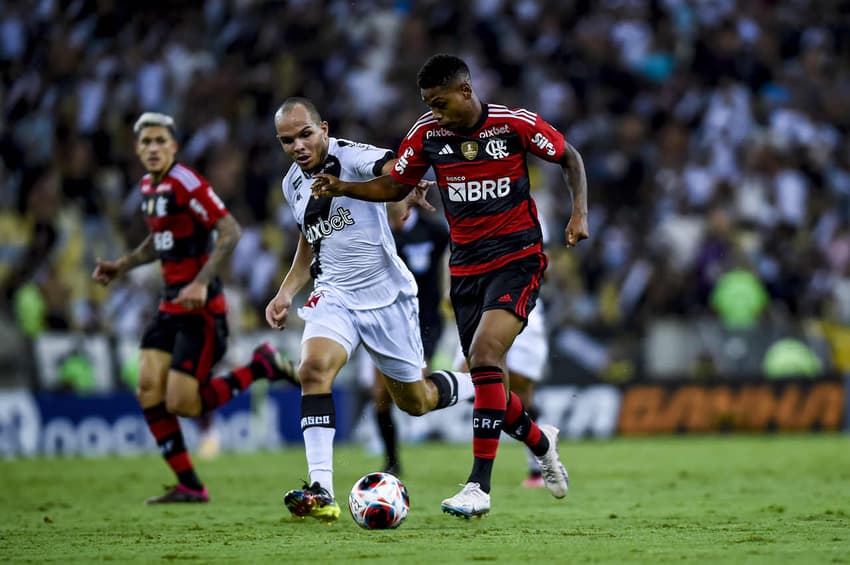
(579,412)
(804,405)
(604,411)
(58,424)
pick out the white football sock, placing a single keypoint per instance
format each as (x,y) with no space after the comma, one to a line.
(319,448)
(465,388)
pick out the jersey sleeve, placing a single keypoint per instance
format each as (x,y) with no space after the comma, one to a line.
(412,162)
(368,160)
(287,188)
(543,140)
(205,205)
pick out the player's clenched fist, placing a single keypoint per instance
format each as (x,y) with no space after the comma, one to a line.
(106,271)
(577,230)
(277,311)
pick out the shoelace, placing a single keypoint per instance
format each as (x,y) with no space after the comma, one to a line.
(551,475)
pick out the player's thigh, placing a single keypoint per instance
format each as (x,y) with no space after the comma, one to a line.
(380,393)
(321,360)
(329,339)
(155,358)
(153,372)
(327,318)
(508,296)
(182,396)
(514,287)
(493,337)
(200,342)
(391,337)
(466,296)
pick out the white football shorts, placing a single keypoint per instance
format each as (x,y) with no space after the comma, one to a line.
(530,350)
(389,334)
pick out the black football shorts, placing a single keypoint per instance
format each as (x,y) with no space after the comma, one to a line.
(196,342)
(513,287)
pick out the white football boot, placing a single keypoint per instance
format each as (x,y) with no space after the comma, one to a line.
(554,474)
(470,501)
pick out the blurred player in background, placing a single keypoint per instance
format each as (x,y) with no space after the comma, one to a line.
(209,444)
(363,294)
(189,332)
(478,152)
(421,243)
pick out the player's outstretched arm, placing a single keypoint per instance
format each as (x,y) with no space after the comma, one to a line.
(380,189)
(107,271)
(576,178)
(418,196)
(278,307)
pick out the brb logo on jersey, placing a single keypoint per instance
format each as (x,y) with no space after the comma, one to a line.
(324,228)
(475,190)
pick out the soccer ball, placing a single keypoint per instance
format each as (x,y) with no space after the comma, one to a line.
(378,501)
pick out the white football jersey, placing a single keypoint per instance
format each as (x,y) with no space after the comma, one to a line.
(354,254)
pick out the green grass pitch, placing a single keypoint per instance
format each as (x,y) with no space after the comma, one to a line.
(765,499)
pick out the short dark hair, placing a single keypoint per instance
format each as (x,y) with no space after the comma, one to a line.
(441,69)
(293,101)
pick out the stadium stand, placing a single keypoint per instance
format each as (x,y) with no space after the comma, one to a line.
(716,137)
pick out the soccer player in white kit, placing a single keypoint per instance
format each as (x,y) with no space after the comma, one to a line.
(363,294)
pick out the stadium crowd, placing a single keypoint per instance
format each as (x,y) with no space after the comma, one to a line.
(716,136)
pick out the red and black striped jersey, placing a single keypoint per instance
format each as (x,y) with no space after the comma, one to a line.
(483,180)
(181,211)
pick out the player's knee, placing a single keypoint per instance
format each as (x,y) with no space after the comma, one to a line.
(486,351)
(484,359)
(314,373)
(148,391)
(181,406)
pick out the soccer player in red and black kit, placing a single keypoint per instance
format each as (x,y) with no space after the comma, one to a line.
(478,152)
(189,333)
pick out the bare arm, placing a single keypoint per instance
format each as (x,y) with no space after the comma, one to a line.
(229,232)
(107,271)
(194,294)
(576,179)
(144,253)
(278,308)
(380,189)
(299,272)
(418,196)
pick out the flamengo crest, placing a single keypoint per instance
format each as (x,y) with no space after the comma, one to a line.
(496,148)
